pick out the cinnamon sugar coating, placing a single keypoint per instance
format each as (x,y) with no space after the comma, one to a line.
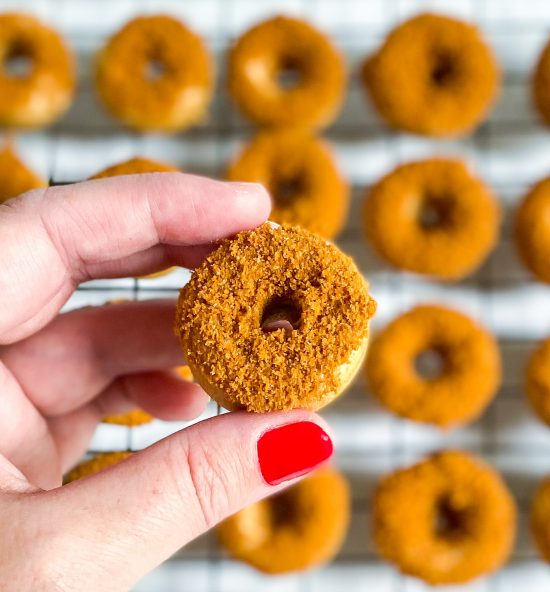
(39,96)
(433,75)
(95,465)
(297,529)
(447,519)
(261,273)
(466,382)
(433,217)
(155,74)
(259,60)
(15,177)
(300,172)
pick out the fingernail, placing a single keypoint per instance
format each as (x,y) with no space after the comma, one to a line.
(248,189)
(292,450)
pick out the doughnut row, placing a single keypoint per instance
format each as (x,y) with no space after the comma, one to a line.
(433,75)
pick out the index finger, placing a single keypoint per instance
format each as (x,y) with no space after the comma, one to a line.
(53,239)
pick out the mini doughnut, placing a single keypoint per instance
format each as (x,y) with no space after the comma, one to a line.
(466,379)
(273,320)
(15,177)
(540,519)
(135,166)
(446,520)
(294,530)
(133,418)
(537,381)
(541,85)
(155,74)
(44,90)
(273,49)
(432,217)
(300,173)
(433,75)
(138,417)
(95,465)
(532,230)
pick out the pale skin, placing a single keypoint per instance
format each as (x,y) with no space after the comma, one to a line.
(61,374)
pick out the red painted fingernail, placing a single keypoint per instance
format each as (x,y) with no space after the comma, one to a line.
(292,450)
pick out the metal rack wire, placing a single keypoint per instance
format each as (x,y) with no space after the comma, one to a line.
(510,150)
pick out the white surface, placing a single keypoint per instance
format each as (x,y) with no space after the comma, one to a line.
(511,151)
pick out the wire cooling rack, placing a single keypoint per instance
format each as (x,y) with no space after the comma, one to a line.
(510,151)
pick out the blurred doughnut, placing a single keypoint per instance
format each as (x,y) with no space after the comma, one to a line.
(299,171)
(433,75)
(284,72)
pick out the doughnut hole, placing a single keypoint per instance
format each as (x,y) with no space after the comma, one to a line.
(436,212)
(430,363)
(284,509)
(154,69)
(286,190)
(443,70)
(451,520)
(289,73)
(18,62)
(281,312)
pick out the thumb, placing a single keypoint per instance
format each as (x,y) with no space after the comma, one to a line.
(132,516)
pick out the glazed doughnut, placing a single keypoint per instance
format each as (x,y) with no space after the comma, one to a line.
(300,173)
(40,94)
(297,529)
(273,320)
(540,519)
(155,74)
(432,217)
(537,381)
(273,49)
(532,230)
(15,177)
(433,75)
(95,465)
(136,166)
(541,83)
(466,379)
(446,520)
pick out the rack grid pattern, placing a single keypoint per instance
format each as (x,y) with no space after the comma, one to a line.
(510,151)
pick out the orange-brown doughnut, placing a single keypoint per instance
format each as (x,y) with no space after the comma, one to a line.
(306,187)
(541,85)
(282,45)
(133,418)
(540,519)
(40,95)
(136,166)
(537,381)
(532,230)
(432,217)
(155,74)
(95,465)
(273,320)
(447,520)
(15,177)
(433,75)
(295,530)
(459,391)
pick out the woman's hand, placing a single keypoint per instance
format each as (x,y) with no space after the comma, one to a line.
(61,374)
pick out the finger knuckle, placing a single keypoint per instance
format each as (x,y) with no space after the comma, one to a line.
(207,480)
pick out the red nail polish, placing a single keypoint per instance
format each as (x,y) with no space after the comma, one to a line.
(292,450)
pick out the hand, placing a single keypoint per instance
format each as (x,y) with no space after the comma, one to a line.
(61,374)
